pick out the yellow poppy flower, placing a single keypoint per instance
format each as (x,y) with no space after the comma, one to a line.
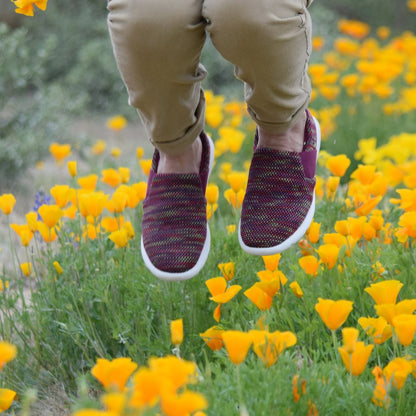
(48,234)
(176,331)
(310,265)
(115,152)
(92,203)
(313,232)
(389,310)
(50,214)
(219,291)
(114,402)
(58,267)
(7,202)
(376,328)
(227,270)
(88,182)
(269,345)
(185,403)
(111,177)
(259,297)
(124,174)
(99,147)
(271,262)
(7,353)
(24,232)
(328,254)
(26,268)
(356,361)
(212,193)
(385,291)
(145,390)
(140,188)
(237,344)
(72,168)
(119,237)
(62,194)
(296,289)
(115,373)
(349,339)
(6,398)
(213,337)
(139,152)
(60,151)
(396,371)
(116,123)
(146,164)
(405,327)
(333,313)
(380,395)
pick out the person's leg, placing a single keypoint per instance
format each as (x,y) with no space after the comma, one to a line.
(157,45)
(269,42)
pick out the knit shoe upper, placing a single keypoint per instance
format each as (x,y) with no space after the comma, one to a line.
(280,200)
(175,234)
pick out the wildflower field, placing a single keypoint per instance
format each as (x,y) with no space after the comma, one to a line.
(325,328)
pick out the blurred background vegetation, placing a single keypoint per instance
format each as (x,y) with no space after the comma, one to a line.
(59,65)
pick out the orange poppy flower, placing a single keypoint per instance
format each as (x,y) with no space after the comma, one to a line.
(6,398)
(396,371)
(259,297)
(88,182)
(176,331)
(237,344)
(72,168)
(227,270)
(115,373)
(213,337)
(111,177)
(297,290)
(333,313)
(310,265)
(26,268)
(405,327)
(24,232)
(116,123)
(271,262)
(376,328)
(328,254)
(7,202)
(385,291)
(217,286)
(356,361)
(8,353)
(50,214)
(60,151)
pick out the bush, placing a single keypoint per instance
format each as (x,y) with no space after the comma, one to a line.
(28,118)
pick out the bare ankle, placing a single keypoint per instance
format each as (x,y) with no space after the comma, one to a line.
(289,141)
(188,161)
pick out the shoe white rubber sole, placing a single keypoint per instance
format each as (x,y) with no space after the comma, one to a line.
(177,277)
(298,234)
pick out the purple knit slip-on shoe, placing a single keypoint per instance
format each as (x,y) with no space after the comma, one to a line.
(279,204)
(175,235)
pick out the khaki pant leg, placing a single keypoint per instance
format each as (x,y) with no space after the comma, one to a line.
(157,46)
(269,42)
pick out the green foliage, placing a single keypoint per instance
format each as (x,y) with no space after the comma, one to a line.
(28,117)
(394,13)
(95,77)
